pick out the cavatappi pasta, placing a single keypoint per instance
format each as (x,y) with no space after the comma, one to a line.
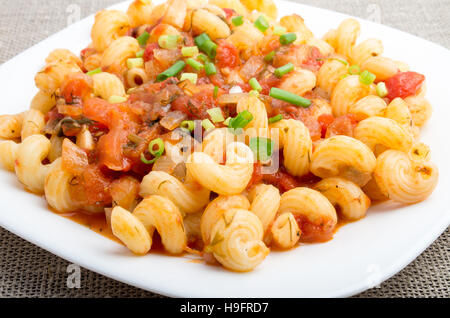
(221,130)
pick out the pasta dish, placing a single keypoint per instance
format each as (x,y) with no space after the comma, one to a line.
(217,129)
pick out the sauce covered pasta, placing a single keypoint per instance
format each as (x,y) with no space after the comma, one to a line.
(215,128)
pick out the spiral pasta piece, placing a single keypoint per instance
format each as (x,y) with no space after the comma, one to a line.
(216,208)
(297,148)
(205,21)
(237,240)
(368,106)
(382,67)
(108,26)
(285,231)
(375,131)
(258,126)
(33,123)
(342,156)
(346,36)
(228,179)
(299,81)
(310,207)
(189,197)
(404,180)
(130,230)
(331,73)
(43,102)
(347,92)
(29,168)
(365,50)
(57,188)
(107,85)
(114,58)
(216,142)
(420,108)
(50,78)
(8,154)
(352,201)
(139,12)
(11,125)
(265,201)
(157,212)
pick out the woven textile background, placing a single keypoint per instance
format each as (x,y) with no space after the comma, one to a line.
(28,271)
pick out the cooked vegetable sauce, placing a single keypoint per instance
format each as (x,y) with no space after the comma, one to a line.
(123,131)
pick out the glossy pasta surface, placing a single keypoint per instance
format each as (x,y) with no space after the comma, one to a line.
(222,130)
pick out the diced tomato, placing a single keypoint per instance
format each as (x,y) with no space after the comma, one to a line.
(74,159)
(404,84)
(227,55)
(343,125)
(110,150)
(87,52)
(99,110)
(299,113)
(325,120)
(77,85)
(95,186)
(315,232)
(229,12)
(269,82)
(315,60)
(270,43)
(282,180)
(149,51)
(195,106)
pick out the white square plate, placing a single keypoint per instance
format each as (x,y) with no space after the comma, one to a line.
(361,255)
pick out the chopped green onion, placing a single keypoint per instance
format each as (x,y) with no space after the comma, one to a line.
(93,72)
(281,71)
(242,119)
(382,89)
(269,57)
(288,38)
(216,114)
(168,42)
(188,125)
(255,84)
(201,39)
(367,78)
(289,97)
(237,21)
(143,38)
(262,148)
(227,121)
(189,76)
(172,71)
(159,143)
(134,63)
(279,30)
(210,68)
(196,65)
(261,24)
(210,48)
(354,70)
(189,51)
(208,125)
(216,91)
(275,119)
(206,45)
(148,162)
(203,58)
(117,99)
(253,93)
(140,53)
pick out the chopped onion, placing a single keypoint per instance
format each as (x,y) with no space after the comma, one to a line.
(231,98)
(235,90)
(173,120)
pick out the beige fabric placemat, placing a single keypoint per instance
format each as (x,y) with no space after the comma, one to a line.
(29,271)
